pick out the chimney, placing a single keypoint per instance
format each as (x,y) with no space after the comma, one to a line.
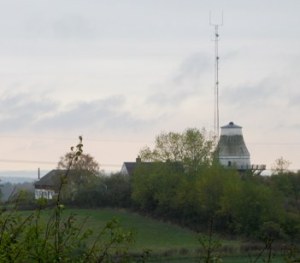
(138,159)
(39,174)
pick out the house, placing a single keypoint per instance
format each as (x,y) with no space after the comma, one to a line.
(47,187)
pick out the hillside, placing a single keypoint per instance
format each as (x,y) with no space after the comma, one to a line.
(149,233)
(167,242)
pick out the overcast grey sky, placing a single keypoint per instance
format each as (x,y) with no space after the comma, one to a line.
(120,72)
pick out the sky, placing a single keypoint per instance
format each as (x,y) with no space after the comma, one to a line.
(120,72)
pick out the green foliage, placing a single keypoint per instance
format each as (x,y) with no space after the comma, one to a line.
(289,185)
(210,246)
(30,239)
(113,191)
(153,185)
(60,238)
(291,254)
(238,204)
(24,199)
(193,148)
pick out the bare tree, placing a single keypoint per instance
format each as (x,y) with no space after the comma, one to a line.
(280,166)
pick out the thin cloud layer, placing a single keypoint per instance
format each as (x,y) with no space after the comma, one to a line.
(103,115)
(21,111)
(251,95)
(185,83)
(25,112)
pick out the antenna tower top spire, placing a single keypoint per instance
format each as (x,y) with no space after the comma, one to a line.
(216,82)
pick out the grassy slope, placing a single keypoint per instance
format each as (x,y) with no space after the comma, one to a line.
(149,233)
(163,239)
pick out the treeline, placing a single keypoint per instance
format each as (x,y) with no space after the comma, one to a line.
(112,190)
(180,180)
(11,190)
(237,204)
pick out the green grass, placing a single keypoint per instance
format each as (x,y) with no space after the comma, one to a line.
(148,233)
(167,242)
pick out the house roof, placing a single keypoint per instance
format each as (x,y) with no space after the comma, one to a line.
(51,179)
(130,167)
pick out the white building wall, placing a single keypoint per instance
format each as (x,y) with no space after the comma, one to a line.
(44,193)
(235,161)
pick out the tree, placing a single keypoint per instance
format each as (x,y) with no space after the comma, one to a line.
(85,162)
(193,148)
(288,184)
(280,166)
(83,172)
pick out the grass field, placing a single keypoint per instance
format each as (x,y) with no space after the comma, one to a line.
(167,242)
(149,233)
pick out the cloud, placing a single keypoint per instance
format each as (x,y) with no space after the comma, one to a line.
(22,110)
(183,84)
(97,115)
(28,112)
(251,95)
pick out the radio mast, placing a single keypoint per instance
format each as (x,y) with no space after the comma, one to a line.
(216,83)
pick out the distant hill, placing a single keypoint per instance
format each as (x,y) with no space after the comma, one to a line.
(16,177)
(16,180)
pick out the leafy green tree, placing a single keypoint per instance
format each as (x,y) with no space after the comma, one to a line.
(193,148)
(288,184)
(107,190)
(145,184)
(254,205)
(117,190)
(155,186)
(216,189)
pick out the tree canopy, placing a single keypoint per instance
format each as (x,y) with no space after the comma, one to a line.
(85,162)
(193,148)
(84,172)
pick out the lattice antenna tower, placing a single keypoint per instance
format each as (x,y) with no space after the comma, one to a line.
(216,82)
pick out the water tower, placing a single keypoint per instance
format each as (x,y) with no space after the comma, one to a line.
(232,150)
